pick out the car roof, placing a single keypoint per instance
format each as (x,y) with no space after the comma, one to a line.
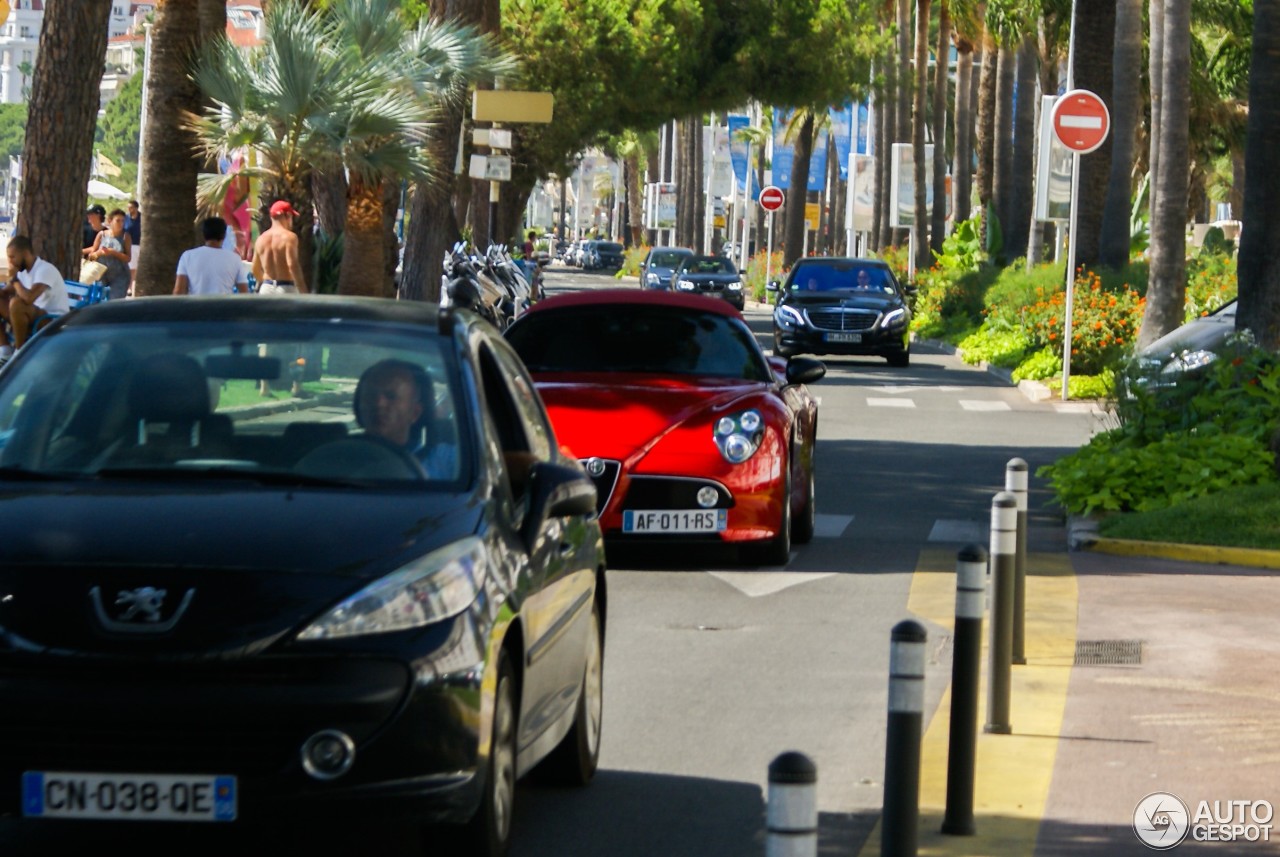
(233,308)
(635,297)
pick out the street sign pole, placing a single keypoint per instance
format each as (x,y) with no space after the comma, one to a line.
(1071,276)
(768,259)
(771,199)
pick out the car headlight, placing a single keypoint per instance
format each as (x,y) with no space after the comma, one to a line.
(685,285)
(738,436)
(735,285)
(787,318)
(895,318)
(1188,361)
(431,588)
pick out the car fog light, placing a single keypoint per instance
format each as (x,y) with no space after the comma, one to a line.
(708,496)
(328,755)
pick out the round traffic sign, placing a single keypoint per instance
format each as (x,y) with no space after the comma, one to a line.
(771,198)
(1081,120)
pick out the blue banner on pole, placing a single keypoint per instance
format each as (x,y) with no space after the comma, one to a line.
(842,134)
(738,149)
(818,162)
(864,119)
(783,155)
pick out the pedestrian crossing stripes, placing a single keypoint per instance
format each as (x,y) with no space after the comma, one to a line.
(984,405)
(890,403)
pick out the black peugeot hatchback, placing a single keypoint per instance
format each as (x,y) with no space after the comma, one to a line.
(277,552)
(832,305)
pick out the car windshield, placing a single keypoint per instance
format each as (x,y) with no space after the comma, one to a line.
(837,278)
(667,260)
(268,401)
(709,265)
(637,338)
(609,247)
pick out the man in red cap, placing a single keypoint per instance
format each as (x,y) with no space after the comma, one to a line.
(277,267)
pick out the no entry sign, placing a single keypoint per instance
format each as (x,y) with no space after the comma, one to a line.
(771,198)
(1081,121)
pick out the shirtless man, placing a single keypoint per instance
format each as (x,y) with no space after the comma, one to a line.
(276,265)
(277,269)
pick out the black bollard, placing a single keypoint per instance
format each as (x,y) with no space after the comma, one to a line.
(791,817)
(899,827)
(966,664)
(1004,522)
(1015,482)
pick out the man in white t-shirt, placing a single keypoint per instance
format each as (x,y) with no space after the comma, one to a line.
(36,290)
(210,270)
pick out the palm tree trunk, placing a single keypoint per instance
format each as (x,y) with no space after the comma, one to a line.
(962,168)
(61,116)
(986,126)
(1113,246)
(168,169)
(1095,41)
(938,224)
(1155,69)
(329,190)
(798,193)
(362,250)
(1167,288)
(902,112)
(1259,263)
(879,234)
(920,218)
(1002,151)
(433,222)
(635,211)
(390,241)
(698,189)
(1022,177)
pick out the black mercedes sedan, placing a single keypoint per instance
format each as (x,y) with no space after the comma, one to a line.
(712,277)
(842,306)
(275,553)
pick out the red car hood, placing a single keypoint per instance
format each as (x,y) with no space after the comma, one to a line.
(616,416)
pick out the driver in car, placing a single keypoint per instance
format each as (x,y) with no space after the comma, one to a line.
(392,402)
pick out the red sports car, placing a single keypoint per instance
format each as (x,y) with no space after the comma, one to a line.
(690,433)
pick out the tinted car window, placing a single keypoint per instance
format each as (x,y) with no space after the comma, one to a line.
(667,260)
(609,247)
(831,278)
(185,398)
(614,338)
(709,265)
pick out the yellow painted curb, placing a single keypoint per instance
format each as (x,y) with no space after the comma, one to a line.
(1013,772)
(1254,557)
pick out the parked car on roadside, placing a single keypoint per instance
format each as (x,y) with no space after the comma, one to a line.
(389,596)
(604,256)
(712,277)
(1189,348)
(832,305)
(660,265)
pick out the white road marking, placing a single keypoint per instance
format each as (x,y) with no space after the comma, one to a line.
(890,403)
(951,530)
(755,583)
(830,526)
(894,389)
(984,405)
(1078,408)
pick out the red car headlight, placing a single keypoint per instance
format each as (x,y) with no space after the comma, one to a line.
(738,435)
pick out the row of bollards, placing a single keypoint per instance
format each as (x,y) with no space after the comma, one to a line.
(792,812)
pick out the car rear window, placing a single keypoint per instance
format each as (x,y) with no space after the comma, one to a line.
(609,247)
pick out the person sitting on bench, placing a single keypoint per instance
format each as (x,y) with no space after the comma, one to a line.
(36,289)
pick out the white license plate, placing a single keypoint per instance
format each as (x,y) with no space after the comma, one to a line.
(843,337)
(674,520)
(129,797)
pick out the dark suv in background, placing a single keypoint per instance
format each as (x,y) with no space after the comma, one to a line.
(604,255)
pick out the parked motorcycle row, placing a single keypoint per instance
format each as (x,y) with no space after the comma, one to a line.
(491,284)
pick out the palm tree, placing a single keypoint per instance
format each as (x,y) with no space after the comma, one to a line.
(1259,269)
(758,136)
(58,147)
(938,225)
(1095,36)
(1022,177)
(801,131)
(967,21)
(920,219)
(353,88)
(1166,289)
(1125,107)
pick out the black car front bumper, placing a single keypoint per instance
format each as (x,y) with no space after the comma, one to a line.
(874,341)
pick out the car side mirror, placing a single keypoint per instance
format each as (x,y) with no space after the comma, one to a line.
(556,491)
(805,370)
(772,286)
(910,291)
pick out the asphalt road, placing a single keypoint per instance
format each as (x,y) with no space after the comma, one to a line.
(713,669)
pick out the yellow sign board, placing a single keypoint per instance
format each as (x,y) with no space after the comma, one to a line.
(718,221)
(4,10)
(811,215)
(509,105)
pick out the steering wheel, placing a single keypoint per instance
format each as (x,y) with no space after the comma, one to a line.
(363,456)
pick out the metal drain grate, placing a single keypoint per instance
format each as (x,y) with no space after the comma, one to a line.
(1108,653)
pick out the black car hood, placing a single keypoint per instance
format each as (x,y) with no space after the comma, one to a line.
(253,566)
(710,278)
(1201,334)
(854,299)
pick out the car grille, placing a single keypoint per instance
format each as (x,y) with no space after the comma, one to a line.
(710,287)
(842,319)
(671,492)
(605,482)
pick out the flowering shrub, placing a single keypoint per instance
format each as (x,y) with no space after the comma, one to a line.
(999,347)
(753,277)
(1211,282)
(633,261)
(1103,323)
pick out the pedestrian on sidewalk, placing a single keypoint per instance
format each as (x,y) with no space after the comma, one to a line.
(37,289)
(277,268)
(208,269)
(112,248)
